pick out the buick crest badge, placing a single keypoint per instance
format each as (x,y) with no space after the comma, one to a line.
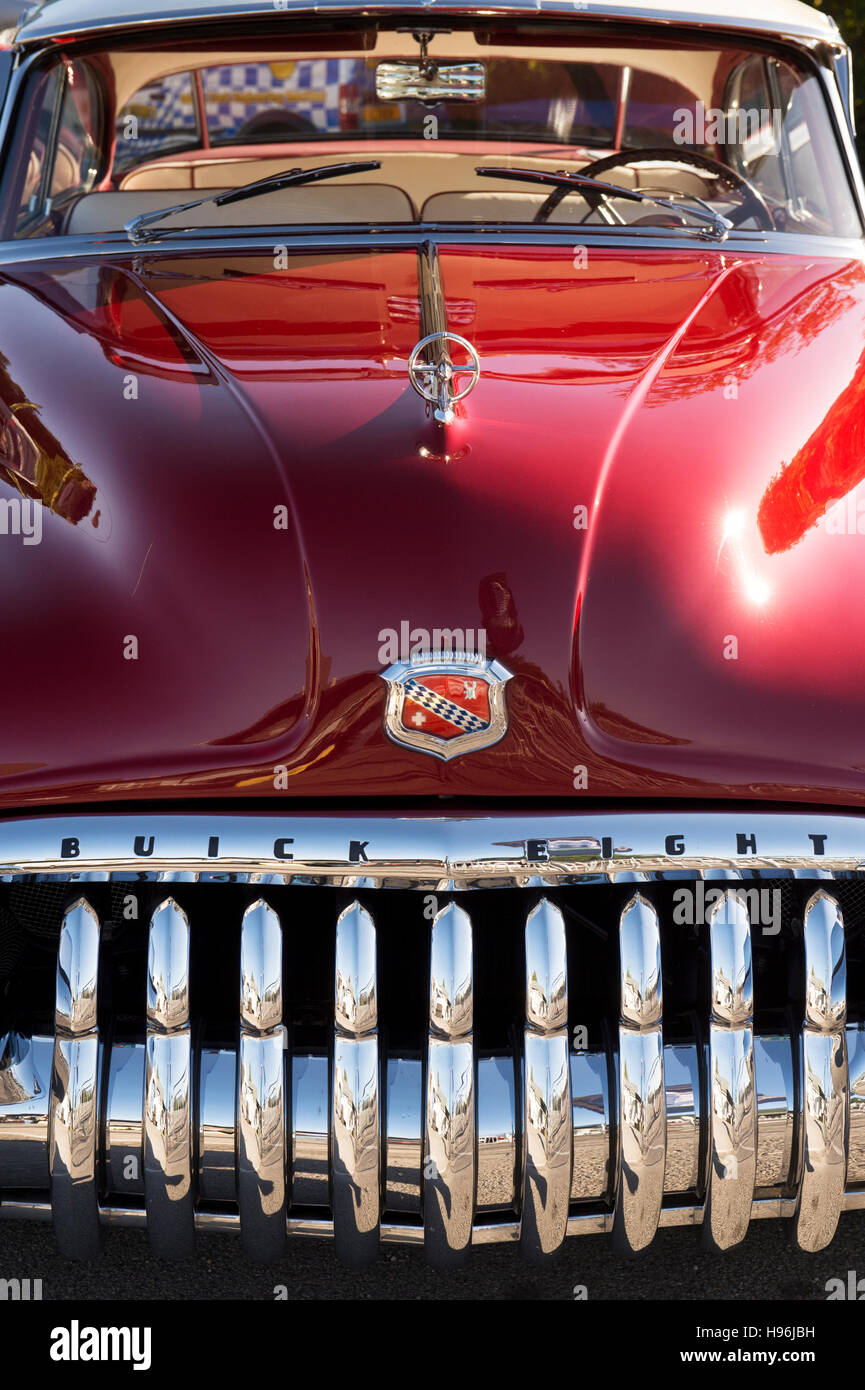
(446,703)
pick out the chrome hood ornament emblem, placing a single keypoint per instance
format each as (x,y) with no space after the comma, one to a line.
(433,372)
(431,367)
(446,703)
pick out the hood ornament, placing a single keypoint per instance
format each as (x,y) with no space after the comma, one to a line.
(431,367)
(446,703)
(432,372)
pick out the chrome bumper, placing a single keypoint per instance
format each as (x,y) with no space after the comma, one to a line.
(444,1143)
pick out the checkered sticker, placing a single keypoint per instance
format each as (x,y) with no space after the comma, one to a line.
(233,94)
(310,87)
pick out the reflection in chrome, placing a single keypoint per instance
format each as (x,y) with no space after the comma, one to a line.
(856,1136)
(547,1123)
(431,366)
(448,1149)
(641,1127)
(216,1124)
(449,1173)
(429,82)
(261,1108)
(124,1136)
(432,372)
(492,849)
(24,1146)
(73,1122)
(732,1157)
(168,967)
(824,1085)
(356,1002)
(25,1091)
(590,1093)
(355,1113)
(682,1099)
(260,969)
(775,1087)
(19,1078)
(404,1143)
(168,1191)
(310,1131)
(497,1188)
(77,970)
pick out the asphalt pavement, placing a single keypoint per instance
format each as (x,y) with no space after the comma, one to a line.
(674,1267)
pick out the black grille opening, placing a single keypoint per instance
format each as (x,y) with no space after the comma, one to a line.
(31,916)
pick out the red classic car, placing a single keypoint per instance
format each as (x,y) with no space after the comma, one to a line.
(432,443)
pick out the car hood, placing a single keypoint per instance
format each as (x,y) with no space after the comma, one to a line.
(651,503)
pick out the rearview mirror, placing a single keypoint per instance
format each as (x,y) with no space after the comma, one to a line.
(430,82)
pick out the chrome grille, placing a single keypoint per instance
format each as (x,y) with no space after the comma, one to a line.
(283,1054)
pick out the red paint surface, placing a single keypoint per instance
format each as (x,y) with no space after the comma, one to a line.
(705,407)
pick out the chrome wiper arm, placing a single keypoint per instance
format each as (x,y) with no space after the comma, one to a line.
(714,224)
(137,227)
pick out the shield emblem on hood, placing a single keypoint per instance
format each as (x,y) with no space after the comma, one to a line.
(446,703)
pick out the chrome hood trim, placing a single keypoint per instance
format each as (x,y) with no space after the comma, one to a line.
(424,850)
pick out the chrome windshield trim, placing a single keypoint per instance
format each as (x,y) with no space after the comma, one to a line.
(408,236)
(419,849)
(64,18)
(842,123)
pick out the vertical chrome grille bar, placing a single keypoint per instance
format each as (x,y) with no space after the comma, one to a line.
(356,1108)
(168,1190)
(641,1107)
(73,1119)
(547,1123)
(450,1163)
(732,1158)
(533,1143)
(824,1076)
(261,1097)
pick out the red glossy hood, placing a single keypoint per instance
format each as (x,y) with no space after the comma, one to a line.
(241,492)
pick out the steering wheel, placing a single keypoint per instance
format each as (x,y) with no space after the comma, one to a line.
(272,123)
(753,204)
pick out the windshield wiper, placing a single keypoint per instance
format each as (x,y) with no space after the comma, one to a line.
(137,228)
(713,224)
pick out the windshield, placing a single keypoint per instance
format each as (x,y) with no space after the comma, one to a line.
(108,137)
